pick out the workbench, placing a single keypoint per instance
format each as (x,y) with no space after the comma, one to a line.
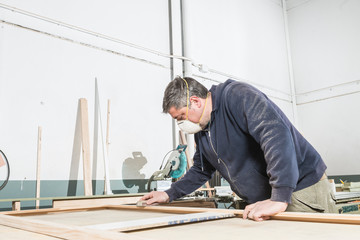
(131,222)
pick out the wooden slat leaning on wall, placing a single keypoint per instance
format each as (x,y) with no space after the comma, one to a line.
(85,144)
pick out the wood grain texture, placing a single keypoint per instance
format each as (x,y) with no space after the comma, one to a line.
(10,233)
(60,230)
(2,161)
(16,206)
(64,223)
(38,167)
(237,228)
(85,145)
(287,216)
(94,202)
(160,221)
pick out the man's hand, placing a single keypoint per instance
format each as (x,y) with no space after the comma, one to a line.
(262,210)
(155,197)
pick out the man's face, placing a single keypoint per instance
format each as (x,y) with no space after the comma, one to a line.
(194,112)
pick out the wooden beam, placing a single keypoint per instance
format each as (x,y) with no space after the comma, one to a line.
(286,216)
(138,224)
(85,144)
(107,186)
(16,205)
(94,202)
(2,161)
(60,230)
(38,167)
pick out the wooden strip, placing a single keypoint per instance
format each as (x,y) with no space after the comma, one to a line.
(74,197)
(318,217)
(38,165)
(286,216)
(60,230)
(50,210)
(85,142)
(107,186)
(160,221)
(16,206)
(94,202)
(2,161)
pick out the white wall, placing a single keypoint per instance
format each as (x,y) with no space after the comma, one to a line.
(244,39)
(45,68)
(42,76)
(325,36)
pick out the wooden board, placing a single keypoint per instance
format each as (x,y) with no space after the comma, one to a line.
(85,145)
(237,228)
(2,161)
(171,220)
(94,202)
(71,224)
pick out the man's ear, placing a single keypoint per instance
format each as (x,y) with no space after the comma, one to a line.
(196,101)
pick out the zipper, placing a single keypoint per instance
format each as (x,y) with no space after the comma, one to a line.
(219,159)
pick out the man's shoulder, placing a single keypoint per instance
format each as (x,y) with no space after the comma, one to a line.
(234,88)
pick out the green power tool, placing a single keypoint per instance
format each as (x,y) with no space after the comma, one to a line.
(174,168)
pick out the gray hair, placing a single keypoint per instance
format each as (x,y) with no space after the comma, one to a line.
(176,92)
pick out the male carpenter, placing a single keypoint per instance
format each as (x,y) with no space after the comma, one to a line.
(241,133)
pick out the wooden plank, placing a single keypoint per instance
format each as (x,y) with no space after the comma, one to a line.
(191,203)
(38,167)
(74,197)
(10,233)
(237,228)
(85,144)
(286,216)
(94,202)
(107,143)
(16,206)
(125,226)
(60,230)
(2,161)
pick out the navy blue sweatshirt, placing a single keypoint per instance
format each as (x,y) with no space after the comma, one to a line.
(253,145)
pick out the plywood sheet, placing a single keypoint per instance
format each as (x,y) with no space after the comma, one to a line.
(83,218)
(10,233)
(237,228)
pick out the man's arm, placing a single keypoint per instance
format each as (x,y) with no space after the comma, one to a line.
(191,181)
(268,126)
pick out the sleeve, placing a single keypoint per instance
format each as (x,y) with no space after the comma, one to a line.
(193,179)
(267,125)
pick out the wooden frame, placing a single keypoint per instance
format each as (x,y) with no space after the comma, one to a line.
(18,220)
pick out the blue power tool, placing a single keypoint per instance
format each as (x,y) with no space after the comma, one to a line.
(174,168)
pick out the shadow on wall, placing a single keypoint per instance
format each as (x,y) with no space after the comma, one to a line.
(133,180)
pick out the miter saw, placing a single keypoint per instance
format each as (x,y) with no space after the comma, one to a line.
(174,168)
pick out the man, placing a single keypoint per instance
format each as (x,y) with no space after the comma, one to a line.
(249,140)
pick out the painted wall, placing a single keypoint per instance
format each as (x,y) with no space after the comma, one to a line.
(45,68)
(244,39)
(325,36)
